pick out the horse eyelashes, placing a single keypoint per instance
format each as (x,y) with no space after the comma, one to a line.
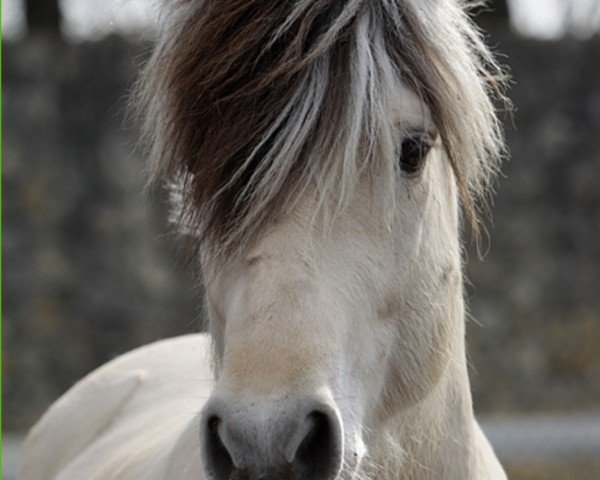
(413,152)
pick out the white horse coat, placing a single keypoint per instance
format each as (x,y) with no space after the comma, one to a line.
(134,418)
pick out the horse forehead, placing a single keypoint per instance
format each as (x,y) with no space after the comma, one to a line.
(410,111)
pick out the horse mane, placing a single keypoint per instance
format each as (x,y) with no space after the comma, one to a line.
(248,102)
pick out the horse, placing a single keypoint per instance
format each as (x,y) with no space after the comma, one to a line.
(323,157)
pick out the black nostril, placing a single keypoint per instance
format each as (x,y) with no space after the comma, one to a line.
(284,445)
(318,454)
(218,460)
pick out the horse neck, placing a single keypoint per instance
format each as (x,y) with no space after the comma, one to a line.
(435,438)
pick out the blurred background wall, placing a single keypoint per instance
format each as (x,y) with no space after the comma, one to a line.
(90,264)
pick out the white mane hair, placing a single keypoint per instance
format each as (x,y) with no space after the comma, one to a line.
(246,103)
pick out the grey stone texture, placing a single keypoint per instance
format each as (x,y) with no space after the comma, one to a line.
(90,265)
(534,339)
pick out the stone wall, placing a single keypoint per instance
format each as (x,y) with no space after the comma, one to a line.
(536,295)
(90,266)
(91,270)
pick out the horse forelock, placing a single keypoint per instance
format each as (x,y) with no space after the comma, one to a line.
(247,102)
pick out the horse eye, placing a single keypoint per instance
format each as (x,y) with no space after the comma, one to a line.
(414,151)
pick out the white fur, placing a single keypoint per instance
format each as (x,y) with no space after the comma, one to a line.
(134,418)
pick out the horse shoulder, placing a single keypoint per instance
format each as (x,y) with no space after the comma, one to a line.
(152,392)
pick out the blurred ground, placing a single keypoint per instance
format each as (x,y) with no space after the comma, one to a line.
(90,269)
(11,455)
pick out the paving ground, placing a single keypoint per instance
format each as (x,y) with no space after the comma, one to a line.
(11,447)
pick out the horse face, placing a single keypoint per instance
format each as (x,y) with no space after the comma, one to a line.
(324,332)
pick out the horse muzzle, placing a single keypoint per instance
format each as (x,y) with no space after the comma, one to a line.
(275,439)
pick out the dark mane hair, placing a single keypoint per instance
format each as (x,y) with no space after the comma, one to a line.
(240,94)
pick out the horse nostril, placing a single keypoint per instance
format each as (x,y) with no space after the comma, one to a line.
(218,460)
(319,454)
(274,443)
